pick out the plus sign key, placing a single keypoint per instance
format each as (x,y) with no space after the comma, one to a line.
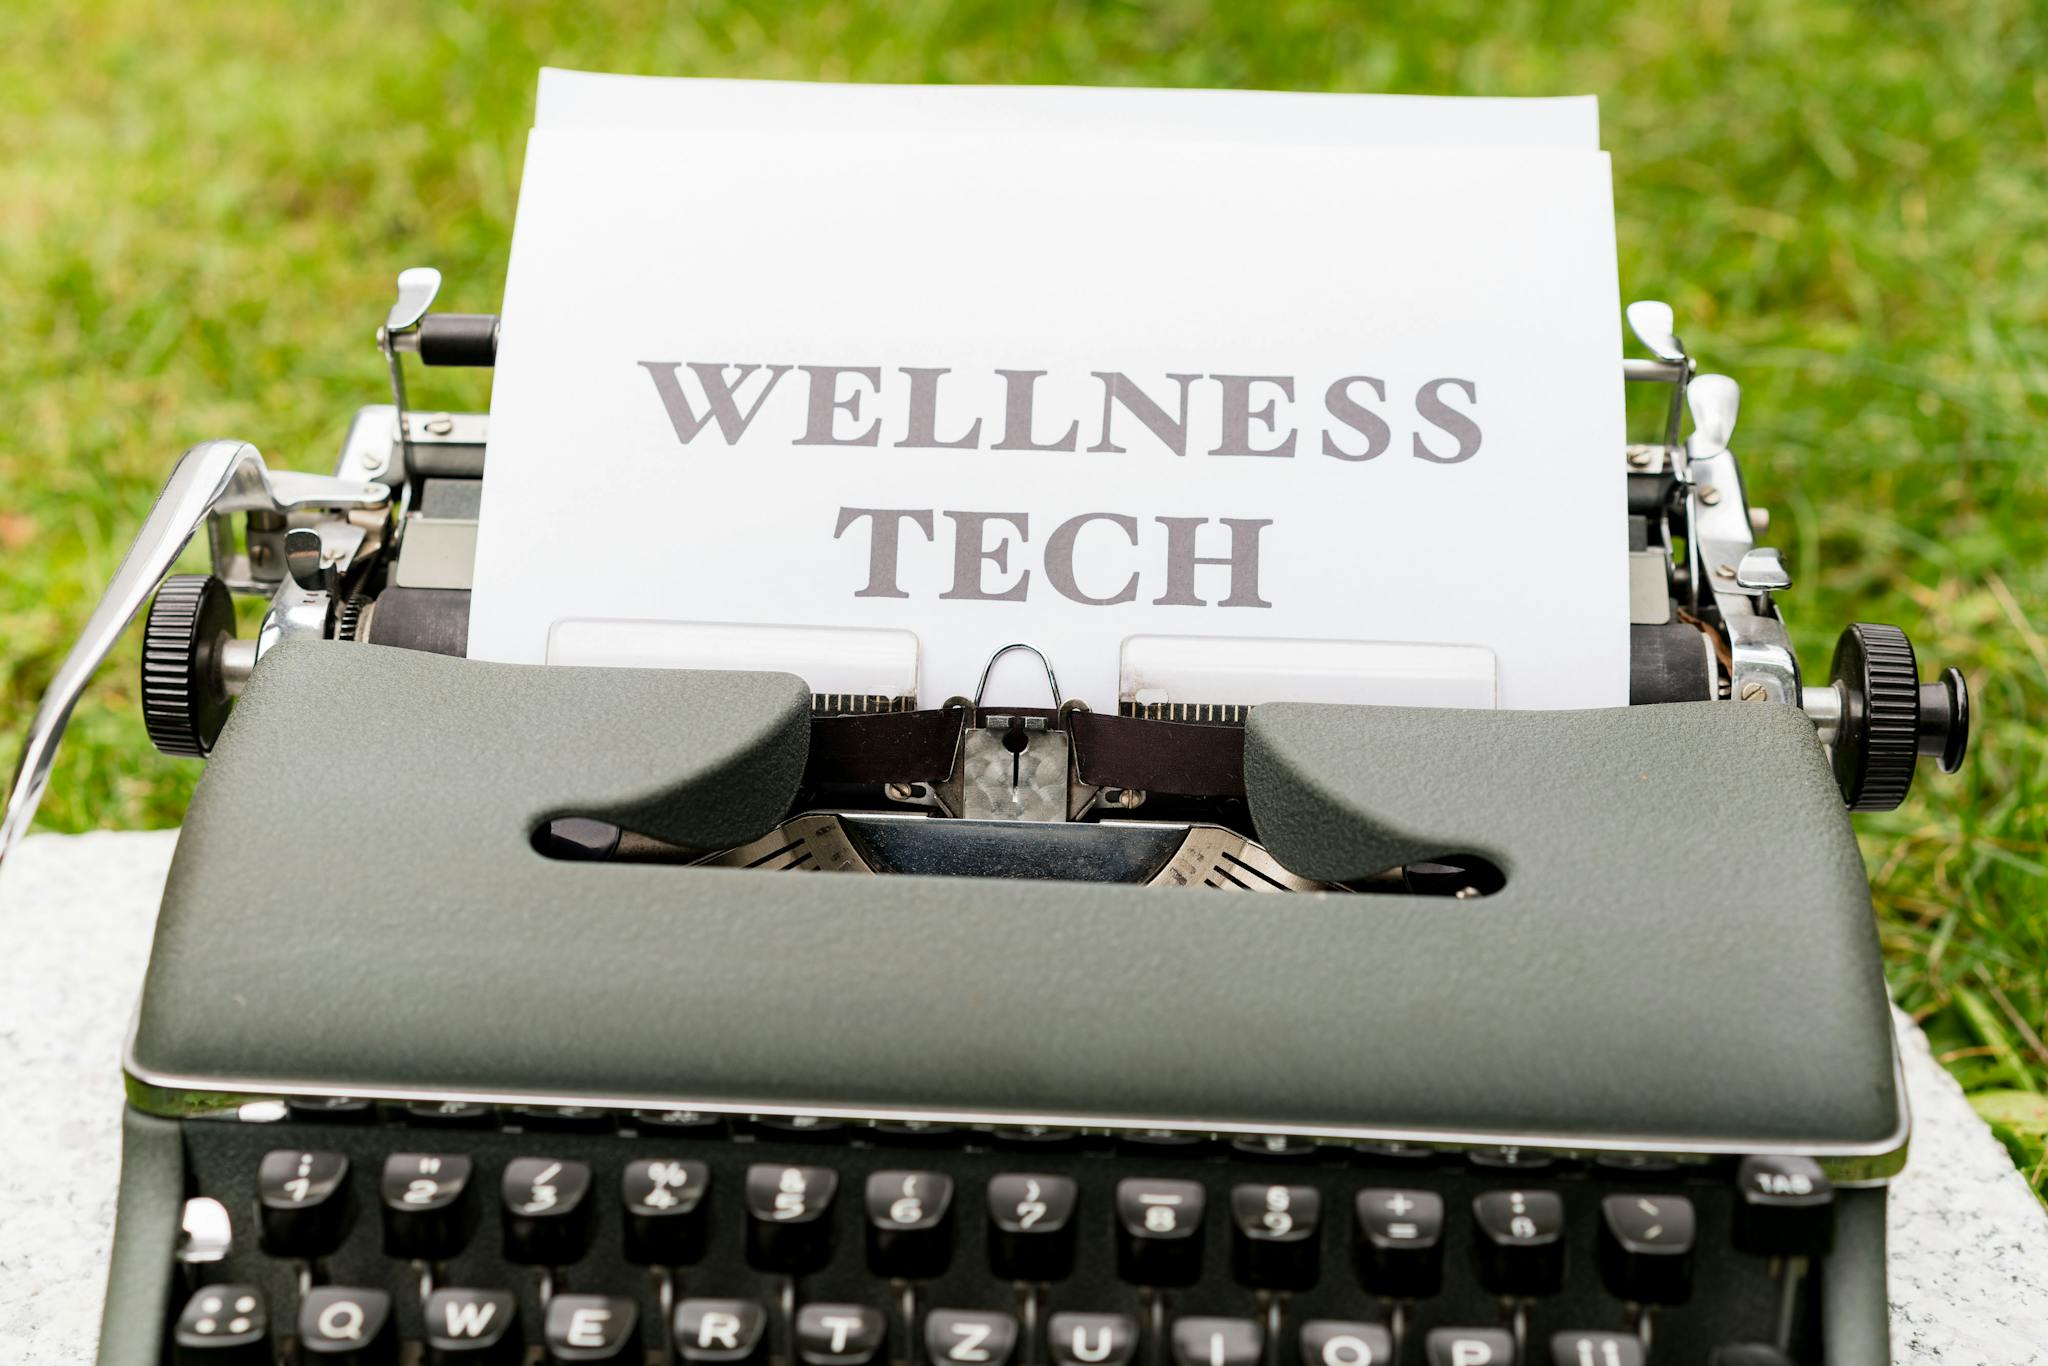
(1399,1242)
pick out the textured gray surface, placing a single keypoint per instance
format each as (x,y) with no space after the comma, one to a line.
(1969,1266)
(1364,1011)
(1763,917)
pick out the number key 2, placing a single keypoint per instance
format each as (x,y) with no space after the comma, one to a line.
(424,1197)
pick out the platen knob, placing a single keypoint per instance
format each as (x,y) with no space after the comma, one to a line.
(1890,718)
(184,699)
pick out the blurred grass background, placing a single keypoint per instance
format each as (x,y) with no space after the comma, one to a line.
(202,208)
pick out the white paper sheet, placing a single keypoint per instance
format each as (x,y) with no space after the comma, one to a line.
(588,99)
(1485,278)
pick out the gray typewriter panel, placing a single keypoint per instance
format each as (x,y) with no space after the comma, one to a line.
(1683,954)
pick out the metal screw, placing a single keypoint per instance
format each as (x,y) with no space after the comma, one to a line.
(1724,571)
(1639,457)
(900,792)
(374,462)
(1130,798)
(1709,494)
(440,424)
(1753,691)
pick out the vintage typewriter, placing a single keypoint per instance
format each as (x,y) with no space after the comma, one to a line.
(482,1025)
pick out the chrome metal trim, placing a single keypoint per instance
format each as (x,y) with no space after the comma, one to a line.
(210,479)
(1846,1164)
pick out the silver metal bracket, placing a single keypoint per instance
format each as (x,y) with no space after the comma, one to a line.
(417,287)
(1013,767)
(1652,322)
(211,479)
(1726,562)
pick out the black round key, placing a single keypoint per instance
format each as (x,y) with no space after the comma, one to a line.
(914,1133)
(1037,1138)
(333,1109)
(1786,1209)
(1575,1348)
(425,1199)
(1469,1347)
(223,1324)
(665,1217)
(1399,1242)
(1340,1342)
(1520,1242)
(681,1123)
(1275,1235)
(910,1230)
(1646,1244)
(806,1128)
(1163,1143)
(969,1337)
(546,1210)
(472,1328)
(788,1223)
(1276,1147)
(1159,1231)
(570,1118)
(1031,1226)
(1218,1342)
(839,1334)
(1092,1339)
(346,1325)
(302,1201)
(1509,1157)
(450,1114)
(1635,1164)
(592,1328)
(720,1332)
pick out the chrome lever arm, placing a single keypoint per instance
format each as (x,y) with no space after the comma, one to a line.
(212,477)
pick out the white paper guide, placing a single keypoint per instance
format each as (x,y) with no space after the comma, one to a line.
(1066,385)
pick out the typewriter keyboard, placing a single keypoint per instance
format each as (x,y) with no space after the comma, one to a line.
(391,1236)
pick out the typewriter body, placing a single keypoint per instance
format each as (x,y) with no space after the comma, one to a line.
(481,1025)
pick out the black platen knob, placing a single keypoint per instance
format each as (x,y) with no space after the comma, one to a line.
(184,697)
(1889,718)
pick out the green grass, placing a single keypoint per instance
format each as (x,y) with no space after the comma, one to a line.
(202,208)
